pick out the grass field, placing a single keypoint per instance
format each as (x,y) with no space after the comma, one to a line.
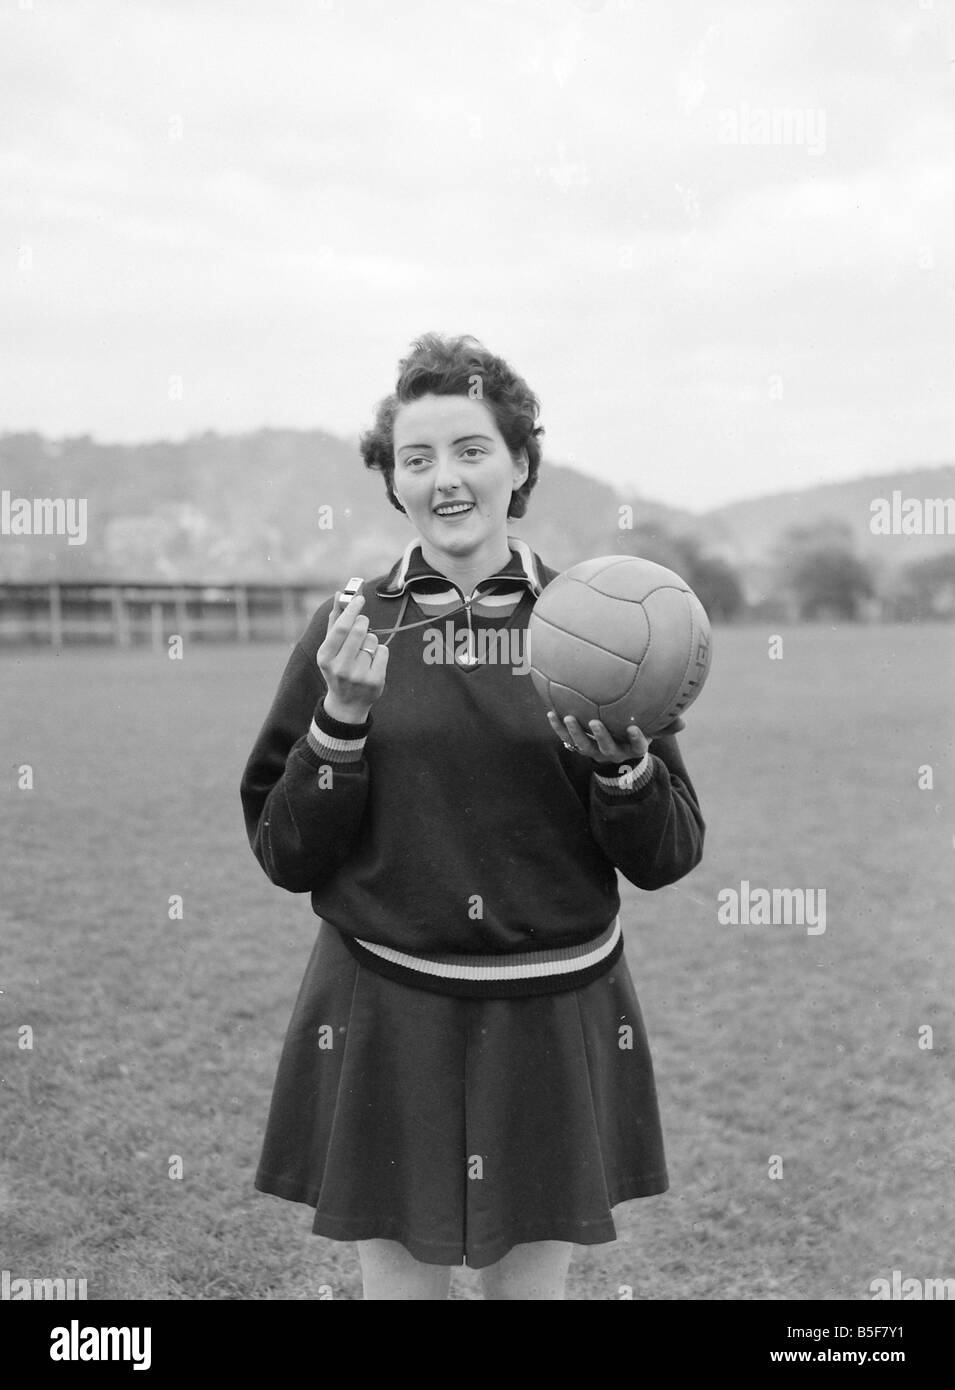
(154,1037)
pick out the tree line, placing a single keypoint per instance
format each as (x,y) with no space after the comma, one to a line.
(814,574)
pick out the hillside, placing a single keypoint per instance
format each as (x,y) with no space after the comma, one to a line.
(748,532)
(299,505)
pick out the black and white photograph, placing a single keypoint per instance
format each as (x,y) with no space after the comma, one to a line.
(477,666)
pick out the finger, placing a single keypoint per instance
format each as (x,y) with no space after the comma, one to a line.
(355,602)
(582,741)
(340,629)
(354,640)
(632,745)
(562,732)
(338,606)
(639,741)
(557,726)
(606,743)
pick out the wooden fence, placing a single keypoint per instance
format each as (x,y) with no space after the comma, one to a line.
(127,615)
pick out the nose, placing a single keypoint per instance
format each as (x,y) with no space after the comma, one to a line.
(447,476)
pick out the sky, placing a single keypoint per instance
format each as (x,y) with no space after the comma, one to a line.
(716,239)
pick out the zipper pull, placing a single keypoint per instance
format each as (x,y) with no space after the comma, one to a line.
(468,657)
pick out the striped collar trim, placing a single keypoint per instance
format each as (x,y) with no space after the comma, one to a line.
(523,567)
(528,965)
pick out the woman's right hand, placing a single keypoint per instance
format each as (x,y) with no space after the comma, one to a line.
(352,662)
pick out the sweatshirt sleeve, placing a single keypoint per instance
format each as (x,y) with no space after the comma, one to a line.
(305,784)
(648,822)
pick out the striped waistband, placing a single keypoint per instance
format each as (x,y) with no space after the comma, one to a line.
(489,976)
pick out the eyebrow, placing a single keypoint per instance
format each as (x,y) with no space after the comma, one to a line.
(464,438)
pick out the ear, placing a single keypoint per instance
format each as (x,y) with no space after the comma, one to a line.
(524,462)
(401,506)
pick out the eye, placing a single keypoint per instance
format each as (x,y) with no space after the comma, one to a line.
(418,458)
(473,449)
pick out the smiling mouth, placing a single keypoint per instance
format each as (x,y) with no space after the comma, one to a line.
(459,509)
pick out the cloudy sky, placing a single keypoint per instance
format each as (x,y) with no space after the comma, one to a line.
(717,239)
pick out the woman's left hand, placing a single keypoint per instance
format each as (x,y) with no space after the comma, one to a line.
(600,745)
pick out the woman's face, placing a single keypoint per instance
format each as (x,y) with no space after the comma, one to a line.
(448,449)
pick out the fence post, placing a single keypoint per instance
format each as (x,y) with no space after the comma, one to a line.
(120,618)
(182,619)
(242,625)
(289,614)
(155,616)
(56,616)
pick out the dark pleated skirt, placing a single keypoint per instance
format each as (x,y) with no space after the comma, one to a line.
(461,1127)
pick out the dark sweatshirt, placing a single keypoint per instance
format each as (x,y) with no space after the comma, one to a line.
(454,820)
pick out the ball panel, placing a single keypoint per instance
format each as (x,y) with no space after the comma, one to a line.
(542,686)
(697,665)
(631,709)
(565,701)
(619,628)
(671,625)
(617,625)
(625,577)
(554,593)
(587,569)
(575,663)
(701,652)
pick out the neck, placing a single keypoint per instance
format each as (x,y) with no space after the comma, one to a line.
(468,570)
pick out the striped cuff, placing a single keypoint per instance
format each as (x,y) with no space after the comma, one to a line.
(334,741)
(634,776)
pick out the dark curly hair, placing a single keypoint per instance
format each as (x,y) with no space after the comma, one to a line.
(443,366)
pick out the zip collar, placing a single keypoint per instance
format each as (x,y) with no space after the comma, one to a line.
(523,567)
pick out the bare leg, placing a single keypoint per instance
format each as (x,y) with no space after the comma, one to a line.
(389,1271)
(536,1270)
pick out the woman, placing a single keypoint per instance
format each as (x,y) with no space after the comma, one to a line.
(466,1075)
